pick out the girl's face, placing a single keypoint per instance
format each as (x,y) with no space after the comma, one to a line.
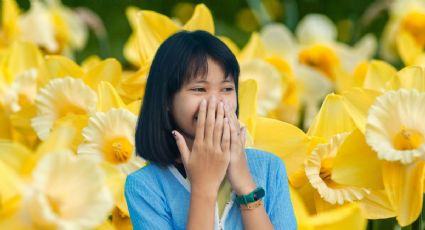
(186,102)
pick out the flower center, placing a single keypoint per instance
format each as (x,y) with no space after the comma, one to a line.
(408,139)
(69,108)
(24,100)
(414,24)
(321,58)
(326,169)
(55,204)
(118,150)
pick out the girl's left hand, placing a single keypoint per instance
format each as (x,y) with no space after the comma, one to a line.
(238,171)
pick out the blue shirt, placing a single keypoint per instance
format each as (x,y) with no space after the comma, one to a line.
(159,197)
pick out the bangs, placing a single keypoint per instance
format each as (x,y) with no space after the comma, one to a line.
(198,67)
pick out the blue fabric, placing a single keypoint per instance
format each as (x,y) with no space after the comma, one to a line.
(157,199)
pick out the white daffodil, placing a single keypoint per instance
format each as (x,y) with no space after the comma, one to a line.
(318,169)
(59,98)
(394,127)
(67,193)
(36,26)
(110,136)
(270,88)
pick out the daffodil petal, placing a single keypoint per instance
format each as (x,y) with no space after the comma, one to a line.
(350,168)
(357,102)
(149,36)
(408,49)
(283,139)
(14,155)
(61,66)
(108,70)
(253,49)
(349,216)
(248,102)
(200,20)
(411,77)
(378,73)
(376,205)
(11,188)
(108,97)
(325,125)
(404,185)
(315,28)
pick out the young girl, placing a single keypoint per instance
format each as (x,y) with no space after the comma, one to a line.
(200,176)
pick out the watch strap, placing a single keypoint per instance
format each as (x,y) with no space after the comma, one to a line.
(255,195)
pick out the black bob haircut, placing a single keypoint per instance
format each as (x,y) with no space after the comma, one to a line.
(180,57)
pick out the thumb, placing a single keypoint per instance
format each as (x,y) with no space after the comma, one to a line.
(181,144)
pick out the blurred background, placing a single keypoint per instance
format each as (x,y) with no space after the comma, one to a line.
(235,19)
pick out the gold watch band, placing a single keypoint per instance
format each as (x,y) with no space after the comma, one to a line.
(252,205)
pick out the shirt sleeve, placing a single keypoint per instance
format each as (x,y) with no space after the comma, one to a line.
(147,209)
(281,212)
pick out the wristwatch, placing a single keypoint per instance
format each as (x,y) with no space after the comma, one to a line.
(255,195)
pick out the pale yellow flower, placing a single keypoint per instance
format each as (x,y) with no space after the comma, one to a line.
(36,26)
(394,127)
(59,98)
(318,168)
(269,80)
(67,193)
(21,92)
(109,136)
(406,17)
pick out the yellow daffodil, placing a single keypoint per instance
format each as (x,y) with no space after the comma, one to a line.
(59,98)
(67,193)
(109,136)
(152,28)
(412,77)
(318,168)
(394,129)
(407,18)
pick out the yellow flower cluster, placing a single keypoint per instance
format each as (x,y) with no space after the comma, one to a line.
(67,129)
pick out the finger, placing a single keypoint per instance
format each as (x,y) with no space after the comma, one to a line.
(225,141)
(181,144)
(236,121)
(218,129)
(234,137)
(200,125)
(243,136)
(209,126)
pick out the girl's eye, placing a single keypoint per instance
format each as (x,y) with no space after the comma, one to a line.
(228,89)
(198,89)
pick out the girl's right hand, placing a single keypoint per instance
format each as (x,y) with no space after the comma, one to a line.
(207,163)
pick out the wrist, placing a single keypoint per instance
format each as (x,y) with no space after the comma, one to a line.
(245,189)
(202,193)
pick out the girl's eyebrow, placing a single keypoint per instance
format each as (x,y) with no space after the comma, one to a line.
(205,81)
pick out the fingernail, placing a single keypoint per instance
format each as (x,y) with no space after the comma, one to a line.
(203,102)
(174,134)
(226,120)
(226,107)
(220,104)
